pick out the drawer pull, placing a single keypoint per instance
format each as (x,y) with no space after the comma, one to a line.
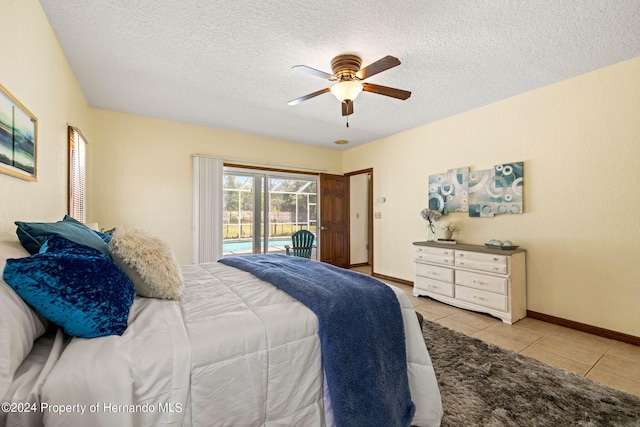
(495,268)
(446,261)
(496,259)
(478,282)
(478,298)
(462,263)
(432,286)
(446,252)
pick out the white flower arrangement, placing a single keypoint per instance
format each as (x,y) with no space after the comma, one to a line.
(430,215)
(446,225)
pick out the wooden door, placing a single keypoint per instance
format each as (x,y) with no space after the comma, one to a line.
(334,220)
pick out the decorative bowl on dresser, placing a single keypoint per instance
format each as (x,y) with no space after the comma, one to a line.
(473,277)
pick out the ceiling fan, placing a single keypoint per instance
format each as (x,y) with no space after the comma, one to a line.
(348,75)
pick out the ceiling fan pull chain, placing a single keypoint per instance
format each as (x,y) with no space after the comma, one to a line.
(346,109)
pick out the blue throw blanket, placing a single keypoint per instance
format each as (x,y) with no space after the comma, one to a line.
(361,336)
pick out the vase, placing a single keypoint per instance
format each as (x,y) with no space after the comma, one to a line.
(448,234)
(431,233)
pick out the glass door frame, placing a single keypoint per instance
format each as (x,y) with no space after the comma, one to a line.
(261,201)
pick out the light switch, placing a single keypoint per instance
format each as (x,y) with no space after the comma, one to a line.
(377,215)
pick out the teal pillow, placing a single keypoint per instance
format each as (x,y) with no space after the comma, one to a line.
(32,235)
(74,286)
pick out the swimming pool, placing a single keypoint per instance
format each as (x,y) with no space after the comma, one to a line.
(247,245)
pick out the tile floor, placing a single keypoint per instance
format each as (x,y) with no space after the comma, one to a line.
(610,362)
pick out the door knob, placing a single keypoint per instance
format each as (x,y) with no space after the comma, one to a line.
(322,228)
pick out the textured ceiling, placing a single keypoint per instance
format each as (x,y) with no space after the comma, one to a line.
(227,63)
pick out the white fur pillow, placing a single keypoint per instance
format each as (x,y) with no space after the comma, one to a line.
(149,263)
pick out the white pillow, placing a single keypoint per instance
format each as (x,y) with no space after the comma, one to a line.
(19,323)
(149,263)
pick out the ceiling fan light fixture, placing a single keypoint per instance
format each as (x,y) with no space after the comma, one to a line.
(346,90)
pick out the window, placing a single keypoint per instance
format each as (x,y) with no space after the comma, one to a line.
(77,171)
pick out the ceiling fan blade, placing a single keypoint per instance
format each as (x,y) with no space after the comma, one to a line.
(377,67)
(309,96)
(314,72)
(386,91)
(347,108)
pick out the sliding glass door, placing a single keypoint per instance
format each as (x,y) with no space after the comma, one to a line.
(242,212)
(262,209)
(292,207)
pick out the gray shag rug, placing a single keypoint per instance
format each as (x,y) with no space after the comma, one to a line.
(485,385)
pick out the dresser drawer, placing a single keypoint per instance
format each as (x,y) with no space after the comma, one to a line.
(484,262)
(486,299)
(435,255)
(480,257)
(442,274)
(484,282)
(435,286)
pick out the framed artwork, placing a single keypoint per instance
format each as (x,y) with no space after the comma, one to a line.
(484,193)
(18,138)
(449,192)
(496,191)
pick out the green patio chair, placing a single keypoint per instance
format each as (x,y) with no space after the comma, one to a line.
(302,244)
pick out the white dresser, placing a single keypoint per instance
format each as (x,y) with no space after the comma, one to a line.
(473,277)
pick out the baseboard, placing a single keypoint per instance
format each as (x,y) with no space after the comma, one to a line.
(393,279)
(362,264)
(619,336)
(606,333)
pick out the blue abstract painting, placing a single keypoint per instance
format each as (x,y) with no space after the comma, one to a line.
(496,191)
(449,192)
(483,193)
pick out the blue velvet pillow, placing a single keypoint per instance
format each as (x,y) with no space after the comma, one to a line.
(74,286)
(105,237)
(32,235)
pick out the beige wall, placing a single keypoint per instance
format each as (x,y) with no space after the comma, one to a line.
(141,174)
(36,73)
(580,143)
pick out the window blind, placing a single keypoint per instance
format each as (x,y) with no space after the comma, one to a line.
(77,175)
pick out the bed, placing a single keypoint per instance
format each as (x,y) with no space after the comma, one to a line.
(233,350)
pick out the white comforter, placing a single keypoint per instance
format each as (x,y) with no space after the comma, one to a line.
(235,351)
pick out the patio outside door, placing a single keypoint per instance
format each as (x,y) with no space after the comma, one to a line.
(262,209)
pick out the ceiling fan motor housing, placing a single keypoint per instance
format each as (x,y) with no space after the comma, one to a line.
(345,67)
